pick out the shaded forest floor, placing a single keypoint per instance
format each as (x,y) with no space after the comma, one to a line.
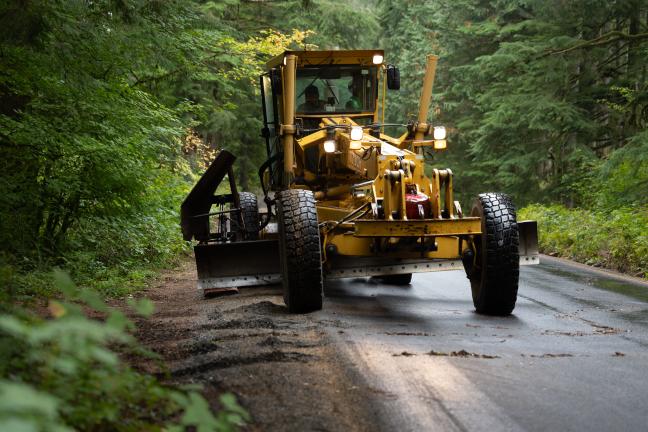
(278,365)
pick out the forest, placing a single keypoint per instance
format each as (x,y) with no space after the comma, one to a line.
(111,109)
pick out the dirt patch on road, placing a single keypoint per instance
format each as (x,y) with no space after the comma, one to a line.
(281,367)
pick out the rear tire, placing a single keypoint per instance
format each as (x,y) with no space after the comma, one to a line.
(494,277)
(397,279)
(299,251)
(250,215)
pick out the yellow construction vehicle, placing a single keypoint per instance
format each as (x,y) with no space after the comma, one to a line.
(346,200)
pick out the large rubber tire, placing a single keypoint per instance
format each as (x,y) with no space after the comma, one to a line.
(299,251)
(494,277)
(397,279)
(250,214)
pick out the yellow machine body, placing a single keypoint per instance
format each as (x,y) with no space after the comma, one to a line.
(381,210)
(362,186)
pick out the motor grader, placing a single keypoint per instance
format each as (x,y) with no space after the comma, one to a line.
(347,200)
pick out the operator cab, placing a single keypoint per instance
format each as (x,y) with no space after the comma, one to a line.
(332,90)
(328,84)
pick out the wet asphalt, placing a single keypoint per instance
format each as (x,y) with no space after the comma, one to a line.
(572,357)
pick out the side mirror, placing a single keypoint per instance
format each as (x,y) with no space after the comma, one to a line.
(393,77)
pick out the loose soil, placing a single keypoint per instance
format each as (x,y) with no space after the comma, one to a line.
(283,368)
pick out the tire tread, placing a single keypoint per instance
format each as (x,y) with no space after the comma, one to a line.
(300,250)
(499,282)
(250,215)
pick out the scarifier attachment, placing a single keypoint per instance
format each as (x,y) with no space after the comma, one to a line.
(223,261)
(194,211)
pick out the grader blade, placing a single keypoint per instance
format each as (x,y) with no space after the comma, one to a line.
(528,248)
(194,212)
(237,264)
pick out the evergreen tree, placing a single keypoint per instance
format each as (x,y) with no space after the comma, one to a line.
(539,94)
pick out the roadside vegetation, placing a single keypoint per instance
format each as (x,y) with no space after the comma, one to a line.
(65,372)
(109,110)
(616,239)
(548,101)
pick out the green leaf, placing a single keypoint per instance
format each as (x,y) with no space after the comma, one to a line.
(18,397)
(64,283)
(198,414)
(143,306)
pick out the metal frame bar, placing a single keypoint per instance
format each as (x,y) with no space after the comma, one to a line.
(417,227)
(423,266)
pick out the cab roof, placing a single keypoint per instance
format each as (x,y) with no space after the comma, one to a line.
(328,57)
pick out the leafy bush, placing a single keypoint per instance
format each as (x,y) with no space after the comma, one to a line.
(616,239)
(116,254)
(623,179)
(95,99)
(64,373)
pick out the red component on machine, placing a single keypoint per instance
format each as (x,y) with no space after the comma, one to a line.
(417,206)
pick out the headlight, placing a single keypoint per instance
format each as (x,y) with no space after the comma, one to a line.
(440,144)
(439,132)
(329,146)
(377,59)
(356,133)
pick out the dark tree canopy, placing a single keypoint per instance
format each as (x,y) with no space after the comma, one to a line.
(109,108)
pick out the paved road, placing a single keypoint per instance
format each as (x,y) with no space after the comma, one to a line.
(574,356)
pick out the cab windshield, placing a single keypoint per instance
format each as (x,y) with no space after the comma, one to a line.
(335,89)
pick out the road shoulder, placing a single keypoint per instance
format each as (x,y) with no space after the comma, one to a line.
(283,368)
(602,271)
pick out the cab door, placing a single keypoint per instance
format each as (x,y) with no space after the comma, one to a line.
(269,91)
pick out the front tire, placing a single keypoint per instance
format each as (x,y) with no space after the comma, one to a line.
(250,215)
(495,273)
(299,251)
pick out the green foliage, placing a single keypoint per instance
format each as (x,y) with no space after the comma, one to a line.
(616,239)
(65,373)
(108,110)
(226,91)
(98,101)
(535,109)
(79,139)
(113,254)
(118,253)
(22,408)
(624,176)
(98,97)
(407,37)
